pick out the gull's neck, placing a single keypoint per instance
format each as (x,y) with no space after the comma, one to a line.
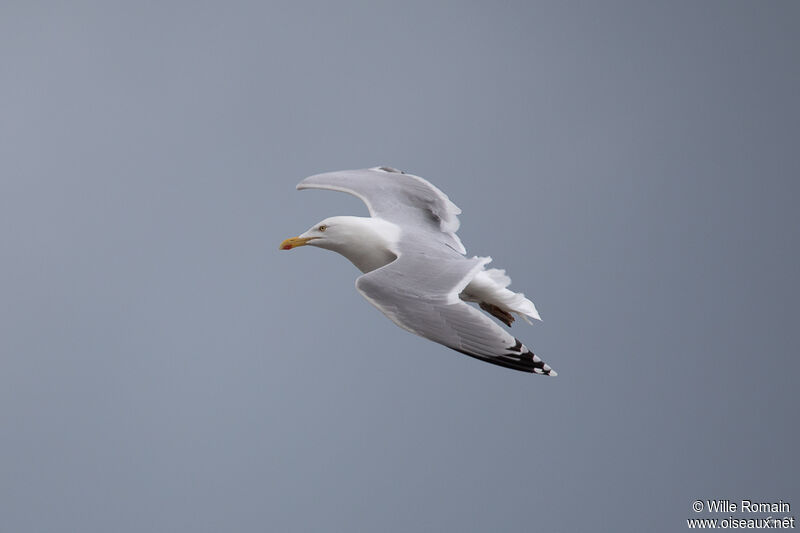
(367,242)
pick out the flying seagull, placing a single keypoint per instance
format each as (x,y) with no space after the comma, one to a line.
(415,269)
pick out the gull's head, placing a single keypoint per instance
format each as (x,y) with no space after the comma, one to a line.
(331,233)
(369,243)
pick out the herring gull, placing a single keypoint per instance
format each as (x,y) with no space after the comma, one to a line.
(414,266)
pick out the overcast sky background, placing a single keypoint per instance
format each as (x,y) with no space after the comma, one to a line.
(163,367)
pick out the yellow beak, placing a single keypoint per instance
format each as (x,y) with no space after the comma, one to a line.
(294,242)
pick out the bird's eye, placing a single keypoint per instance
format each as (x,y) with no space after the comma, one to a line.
(322,227)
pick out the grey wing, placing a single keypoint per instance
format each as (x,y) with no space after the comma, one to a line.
(398,197)
(427,304)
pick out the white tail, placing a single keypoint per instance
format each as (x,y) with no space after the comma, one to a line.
(489,287)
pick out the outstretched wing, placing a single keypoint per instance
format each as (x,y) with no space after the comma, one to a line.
(425,301)
(398,197)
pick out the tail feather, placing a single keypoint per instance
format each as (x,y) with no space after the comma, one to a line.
(489,289)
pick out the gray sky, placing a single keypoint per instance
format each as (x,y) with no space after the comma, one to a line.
(163,367)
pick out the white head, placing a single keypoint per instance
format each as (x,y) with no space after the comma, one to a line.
(331,233)
(366,242)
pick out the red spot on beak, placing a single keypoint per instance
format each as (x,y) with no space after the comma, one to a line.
(287,247)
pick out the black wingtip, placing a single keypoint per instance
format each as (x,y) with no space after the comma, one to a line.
(518,357)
